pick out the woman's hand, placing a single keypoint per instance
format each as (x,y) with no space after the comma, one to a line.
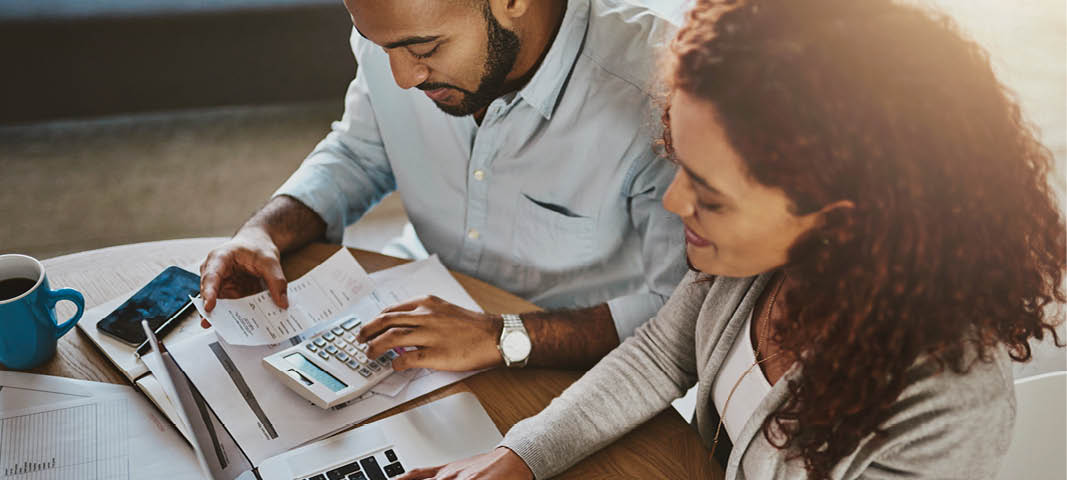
(501,463)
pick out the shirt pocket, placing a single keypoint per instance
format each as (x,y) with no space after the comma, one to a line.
(550,239)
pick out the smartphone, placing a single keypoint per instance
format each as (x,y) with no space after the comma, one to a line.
(156,302)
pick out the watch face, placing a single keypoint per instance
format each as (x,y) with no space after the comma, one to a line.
(516,346)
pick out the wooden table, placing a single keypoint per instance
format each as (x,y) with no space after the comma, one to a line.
(664,447)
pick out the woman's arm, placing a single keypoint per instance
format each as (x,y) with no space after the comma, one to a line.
(631,384)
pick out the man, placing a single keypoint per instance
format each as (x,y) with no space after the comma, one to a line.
(520,133)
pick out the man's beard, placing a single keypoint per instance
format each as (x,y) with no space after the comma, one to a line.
(501,53)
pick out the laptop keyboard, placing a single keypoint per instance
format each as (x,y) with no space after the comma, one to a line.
(366,468)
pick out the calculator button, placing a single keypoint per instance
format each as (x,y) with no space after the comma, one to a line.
(392,354)
(365,372)
(362,347)
(320,342)
(353,364)
(337,331)
(373,366)
(384,359)
(340,343)
(390,455)
(384,364)
(328,336)
(350,324)
(351,350)
(342,357)
(312,347)
(332,349)
(324,355)
(357,476)
(350,338)
(361,357)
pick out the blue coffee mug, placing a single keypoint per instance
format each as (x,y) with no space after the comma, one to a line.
(28,327)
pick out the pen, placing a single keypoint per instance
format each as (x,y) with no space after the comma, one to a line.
(144,347)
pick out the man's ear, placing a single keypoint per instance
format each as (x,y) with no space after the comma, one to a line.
(508,12)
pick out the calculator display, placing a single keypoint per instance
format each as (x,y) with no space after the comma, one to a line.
(313,371)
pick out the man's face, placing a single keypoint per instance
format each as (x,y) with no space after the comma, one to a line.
(453,50)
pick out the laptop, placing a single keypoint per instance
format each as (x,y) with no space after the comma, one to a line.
(439,432)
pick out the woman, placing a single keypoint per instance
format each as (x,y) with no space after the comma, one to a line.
(873,242)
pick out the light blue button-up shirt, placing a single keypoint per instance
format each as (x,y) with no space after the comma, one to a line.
(555,197)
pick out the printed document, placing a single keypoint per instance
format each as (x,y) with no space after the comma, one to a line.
(20,390)
(322,294)
(111,435)
(264,416)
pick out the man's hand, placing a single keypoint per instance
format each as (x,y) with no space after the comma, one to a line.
(448,337)
(501,463)
(249,262)
(241,267)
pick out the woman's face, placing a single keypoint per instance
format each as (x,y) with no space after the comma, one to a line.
(734,226)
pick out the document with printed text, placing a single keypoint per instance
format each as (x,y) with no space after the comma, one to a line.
(265,417)
(320,295)
(112,435)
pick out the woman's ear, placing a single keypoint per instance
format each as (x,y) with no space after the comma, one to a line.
(840,205)
(835,220)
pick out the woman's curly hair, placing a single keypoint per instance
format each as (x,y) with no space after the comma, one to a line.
(955,244)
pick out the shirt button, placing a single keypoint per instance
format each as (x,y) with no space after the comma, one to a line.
(479,175)
(473,234)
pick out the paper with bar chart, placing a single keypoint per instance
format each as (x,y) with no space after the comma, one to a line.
(73,442)
(115,437)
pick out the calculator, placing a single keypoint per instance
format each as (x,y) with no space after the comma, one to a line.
(330,367)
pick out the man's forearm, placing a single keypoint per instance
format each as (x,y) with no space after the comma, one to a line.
(289,223)
(570,338)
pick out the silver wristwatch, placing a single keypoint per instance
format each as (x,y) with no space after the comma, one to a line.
(514,344)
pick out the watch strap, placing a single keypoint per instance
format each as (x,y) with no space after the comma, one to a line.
(512,323)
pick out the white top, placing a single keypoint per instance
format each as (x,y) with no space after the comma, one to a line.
(750,391)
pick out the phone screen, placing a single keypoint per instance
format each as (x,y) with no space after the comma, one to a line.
(156,302)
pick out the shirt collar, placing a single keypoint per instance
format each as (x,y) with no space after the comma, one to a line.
(543,90)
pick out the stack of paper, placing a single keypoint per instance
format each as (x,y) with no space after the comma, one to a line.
(122,355)
(224,362)
(267,418)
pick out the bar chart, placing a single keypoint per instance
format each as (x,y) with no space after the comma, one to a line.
(80,441)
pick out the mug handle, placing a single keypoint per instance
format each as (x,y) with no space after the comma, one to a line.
(70,295)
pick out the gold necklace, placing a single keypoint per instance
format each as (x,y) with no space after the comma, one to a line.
(761,340)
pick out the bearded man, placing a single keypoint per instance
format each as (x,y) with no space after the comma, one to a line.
(520,134)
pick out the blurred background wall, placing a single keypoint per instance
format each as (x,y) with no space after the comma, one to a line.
(125,120)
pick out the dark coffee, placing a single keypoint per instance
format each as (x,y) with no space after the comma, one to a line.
(13,287)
